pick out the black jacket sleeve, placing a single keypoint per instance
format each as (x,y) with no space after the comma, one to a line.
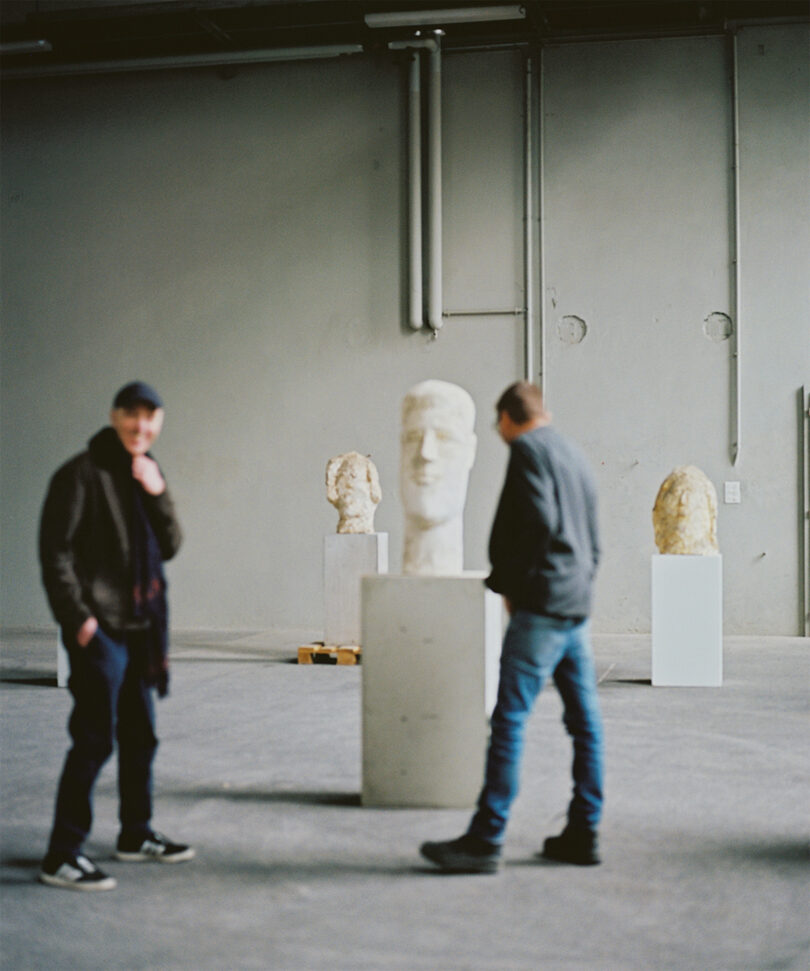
(160,510)
(61,518)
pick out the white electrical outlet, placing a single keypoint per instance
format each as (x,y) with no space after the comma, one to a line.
(731,491)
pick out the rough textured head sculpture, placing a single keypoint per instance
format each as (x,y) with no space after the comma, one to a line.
(685,513)
(353,488)
(437,452)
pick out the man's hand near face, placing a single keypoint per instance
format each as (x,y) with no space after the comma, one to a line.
(146,472)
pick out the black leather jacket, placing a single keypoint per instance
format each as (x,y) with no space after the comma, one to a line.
(84,537)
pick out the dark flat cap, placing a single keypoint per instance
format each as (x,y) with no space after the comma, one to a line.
(137,392)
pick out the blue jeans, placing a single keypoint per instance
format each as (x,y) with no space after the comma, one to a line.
(534,648)
(112,701)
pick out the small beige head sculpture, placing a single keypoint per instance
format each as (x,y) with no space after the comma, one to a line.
(685,513)
(353,488)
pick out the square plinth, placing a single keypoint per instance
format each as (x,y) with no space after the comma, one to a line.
(431,647)
(62,662)
(346,558)
(687,621)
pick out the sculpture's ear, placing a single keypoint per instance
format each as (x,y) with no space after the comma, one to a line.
(331,476)
(374,482)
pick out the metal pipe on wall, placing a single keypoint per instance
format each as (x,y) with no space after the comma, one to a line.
(541,303)
(415,318)
(218,59)
(736,389)
(434,180)
(511,312)
(805,507)
(416,203)
(528,222)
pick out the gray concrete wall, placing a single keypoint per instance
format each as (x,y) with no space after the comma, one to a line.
(240,244)
(638,246)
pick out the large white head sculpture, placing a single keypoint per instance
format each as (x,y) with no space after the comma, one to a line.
(437,452)
(685,513)
(353,488)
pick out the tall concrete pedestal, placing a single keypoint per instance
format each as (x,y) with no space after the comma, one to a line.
(687,621)
(346,558)
(431,647)
(62,663)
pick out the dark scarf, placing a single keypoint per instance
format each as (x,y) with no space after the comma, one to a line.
(149,603)
(149,593)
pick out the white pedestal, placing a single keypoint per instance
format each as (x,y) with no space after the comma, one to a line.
(346,558)
(431,647)
(687,621)
(62,663)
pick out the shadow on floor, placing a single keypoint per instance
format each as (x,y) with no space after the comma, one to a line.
(26,678)
(303,797)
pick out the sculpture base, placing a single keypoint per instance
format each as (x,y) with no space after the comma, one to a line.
(62,662)
(431,647)
(687,621)
(347,557)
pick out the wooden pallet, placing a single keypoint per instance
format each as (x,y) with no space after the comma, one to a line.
(329,654)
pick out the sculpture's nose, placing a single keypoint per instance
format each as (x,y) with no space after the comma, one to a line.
(428,446)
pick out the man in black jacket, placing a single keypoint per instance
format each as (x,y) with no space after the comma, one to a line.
(107,525)
(544,551)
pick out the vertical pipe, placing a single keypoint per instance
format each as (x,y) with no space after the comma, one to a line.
(541,303)
(415,309)
(736,392)
(805,481)
(435,189)
(528,222)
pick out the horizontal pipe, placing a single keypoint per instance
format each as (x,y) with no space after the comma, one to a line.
(185,61)
(512,312)
(25,47)
(415,43)
(459,15)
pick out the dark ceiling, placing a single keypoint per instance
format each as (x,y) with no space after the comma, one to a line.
(119,30)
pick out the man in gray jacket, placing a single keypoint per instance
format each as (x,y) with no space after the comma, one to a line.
(544,551)
(107,525)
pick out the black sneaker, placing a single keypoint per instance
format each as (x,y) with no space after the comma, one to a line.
(579,846)
(74,873)
(153,847)
(467,854)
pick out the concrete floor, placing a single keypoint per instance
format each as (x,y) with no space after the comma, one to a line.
(705,838)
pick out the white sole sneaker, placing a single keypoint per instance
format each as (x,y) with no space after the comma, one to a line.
(148,856)
(69,877)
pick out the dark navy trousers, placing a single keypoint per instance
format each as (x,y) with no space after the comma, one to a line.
(112,703)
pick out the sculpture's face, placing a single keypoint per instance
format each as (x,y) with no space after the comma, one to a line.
(353,491)
(685,514)
(438,449)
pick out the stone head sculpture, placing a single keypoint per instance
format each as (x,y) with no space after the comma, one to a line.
(685,513)
(353,488)
(437,452)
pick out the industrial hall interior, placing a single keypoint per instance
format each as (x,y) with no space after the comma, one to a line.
(331,329)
